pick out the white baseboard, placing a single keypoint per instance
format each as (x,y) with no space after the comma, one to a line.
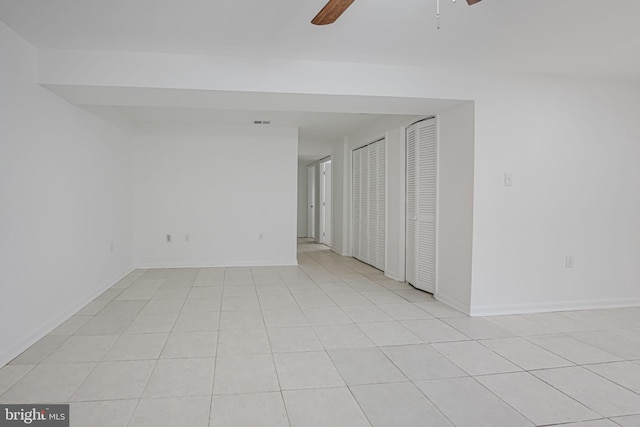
(393,276)
(548,307)
(338,251)
(48,326)
(453,303)
(230,264)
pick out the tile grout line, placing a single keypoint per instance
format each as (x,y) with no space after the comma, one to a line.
(273,360)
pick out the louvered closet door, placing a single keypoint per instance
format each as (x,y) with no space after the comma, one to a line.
(372,218)
(380,148)
(421,206)
(364,207)
(412,213)
(357,189)
(369,164)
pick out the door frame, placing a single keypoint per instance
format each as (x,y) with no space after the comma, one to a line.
(325,202)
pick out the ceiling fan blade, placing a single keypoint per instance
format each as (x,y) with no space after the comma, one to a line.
(472,2)
(331,11)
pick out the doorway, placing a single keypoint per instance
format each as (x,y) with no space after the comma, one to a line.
(311,202)
(325,202)
(319,201)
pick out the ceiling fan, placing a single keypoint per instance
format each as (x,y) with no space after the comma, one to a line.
(332,11)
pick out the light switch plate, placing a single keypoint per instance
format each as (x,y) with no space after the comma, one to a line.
(508,179)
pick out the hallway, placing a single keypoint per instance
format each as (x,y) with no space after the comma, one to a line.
(332,342)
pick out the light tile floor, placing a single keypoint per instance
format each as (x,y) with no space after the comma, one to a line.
(330,343)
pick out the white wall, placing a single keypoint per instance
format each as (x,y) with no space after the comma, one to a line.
(396,199)
(570,143)
(455,206)
(65,197)
(572,148)
(341,200)
(303,209)
(223,186)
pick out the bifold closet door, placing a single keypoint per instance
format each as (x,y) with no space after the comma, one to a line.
(380,201)
(369,204)
(356,192)
(412,212)
(364,206)
(372,207)
(421,205)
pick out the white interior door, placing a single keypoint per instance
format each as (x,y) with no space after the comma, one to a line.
(311,194)
(326,203)
(422,205)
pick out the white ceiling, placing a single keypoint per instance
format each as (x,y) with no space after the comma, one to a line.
(589,37)
(317,131)
(313,126)
(582,37)
(322,120)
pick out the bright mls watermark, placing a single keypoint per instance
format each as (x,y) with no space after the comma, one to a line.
(34,415)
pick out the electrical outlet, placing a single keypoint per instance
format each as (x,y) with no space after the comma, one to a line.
(168,238)
(569,261)
(111,247)
(186,238)
(261,236)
